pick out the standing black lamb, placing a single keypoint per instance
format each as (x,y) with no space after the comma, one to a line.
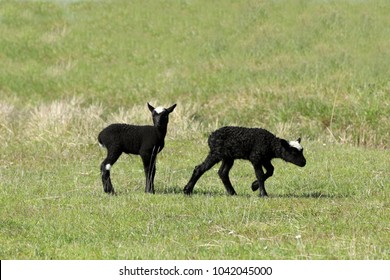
(146,141)
(257,145)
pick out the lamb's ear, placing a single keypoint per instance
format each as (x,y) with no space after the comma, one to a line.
(285,144)
(170,109)
(299,140)
(151,108)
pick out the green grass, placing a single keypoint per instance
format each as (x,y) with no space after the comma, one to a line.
(315,69)
(331,209)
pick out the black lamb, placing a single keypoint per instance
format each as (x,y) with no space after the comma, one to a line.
(257,145)
(146,141)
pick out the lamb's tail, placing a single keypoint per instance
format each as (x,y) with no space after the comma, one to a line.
(100,142)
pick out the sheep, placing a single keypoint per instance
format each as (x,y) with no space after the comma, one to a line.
(146,141)
(257,145)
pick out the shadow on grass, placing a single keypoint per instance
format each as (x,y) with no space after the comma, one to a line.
(307,195)
(177,191)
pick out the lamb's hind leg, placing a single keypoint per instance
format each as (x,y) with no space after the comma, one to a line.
(112,157)
(223,173)
(199,170)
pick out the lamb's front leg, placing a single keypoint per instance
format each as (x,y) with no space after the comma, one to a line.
(260,179)
(149,162)
(269,172)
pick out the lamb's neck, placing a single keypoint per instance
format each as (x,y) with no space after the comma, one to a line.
(277,148)
(162,130)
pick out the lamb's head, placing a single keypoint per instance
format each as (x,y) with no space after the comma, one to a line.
(292,151)
(160,115)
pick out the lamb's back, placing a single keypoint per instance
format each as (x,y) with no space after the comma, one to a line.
(129,138)
(240,142)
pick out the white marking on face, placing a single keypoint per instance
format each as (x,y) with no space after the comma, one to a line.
(108,167)
(159,110)
(296,145)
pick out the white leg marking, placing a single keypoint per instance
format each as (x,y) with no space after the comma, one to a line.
(108,166)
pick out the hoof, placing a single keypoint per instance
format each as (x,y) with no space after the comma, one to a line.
(263,194)
(111,192)
(255,186)
(108,188)
(149,191)
(187,191)
(232,193)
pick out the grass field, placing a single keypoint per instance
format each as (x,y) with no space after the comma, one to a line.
(311,69)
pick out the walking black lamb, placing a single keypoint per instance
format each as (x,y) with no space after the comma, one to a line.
(257,145)
(146,141)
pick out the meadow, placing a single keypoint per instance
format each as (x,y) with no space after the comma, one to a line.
(311,69)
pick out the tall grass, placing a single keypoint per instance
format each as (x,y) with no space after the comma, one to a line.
(320,66)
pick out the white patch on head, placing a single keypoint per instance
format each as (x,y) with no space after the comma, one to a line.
(108,166)
(296,145)
(159,110)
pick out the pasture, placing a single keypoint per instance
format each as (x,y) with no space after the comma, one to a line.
(311,69)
